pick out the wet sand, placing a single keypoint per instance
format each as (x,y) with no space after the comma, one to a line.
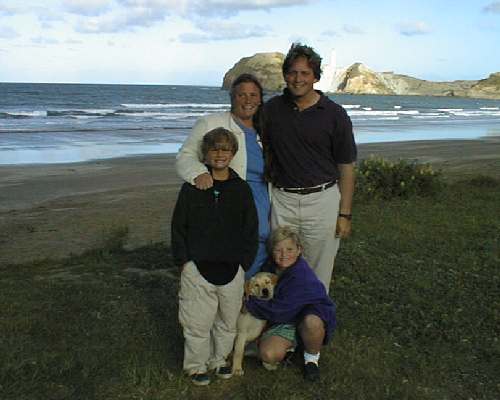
(55,210)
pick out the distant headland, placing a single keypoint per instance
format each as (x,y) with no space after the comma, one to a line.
(359,79)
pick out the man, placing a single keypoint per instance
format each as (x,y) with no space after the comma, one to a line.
(310,154)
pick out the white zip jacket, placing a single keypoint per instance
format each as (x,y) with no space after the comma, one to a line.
(188,164)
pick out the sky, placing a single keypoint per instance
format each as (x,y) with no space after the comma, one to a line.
(194,42)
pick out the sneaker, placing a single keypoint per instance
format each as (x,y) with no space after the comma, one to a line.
(224,372)
(311,372)
(200,379)
(252,350)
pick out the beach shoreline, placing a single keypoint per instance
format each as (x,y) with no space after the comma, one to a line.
(55,210)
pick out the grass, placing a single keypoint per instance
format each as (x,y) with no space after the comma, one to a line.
(417,291)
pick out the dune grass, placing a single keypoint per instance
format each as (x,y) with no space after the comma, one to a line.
(417,291)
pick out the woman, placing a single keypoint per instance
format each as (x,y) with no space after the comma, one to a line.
(246,99)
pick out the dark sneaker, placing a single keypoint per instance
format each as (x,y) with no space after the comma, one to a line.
(252,350)
(200,379)
(224,372)
(289,357)
(311,372)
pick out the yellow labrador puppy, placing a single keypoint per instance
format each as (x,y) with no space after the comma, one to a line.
(249,328)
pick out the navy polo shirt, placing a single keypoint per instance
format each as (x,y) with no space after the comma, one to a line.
(305,146)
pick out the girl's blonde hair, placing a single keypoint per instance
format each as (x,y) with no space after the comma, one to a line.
(283,233)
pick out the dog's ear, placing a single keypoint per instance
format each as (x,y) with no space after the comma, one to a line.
(248,288)
(274,279)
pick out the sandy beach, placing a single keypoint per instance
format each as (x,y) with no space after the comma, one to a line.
(55,210)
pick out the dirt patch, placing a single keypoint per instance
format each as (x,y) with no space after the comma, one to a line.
(54,215)
(53,211)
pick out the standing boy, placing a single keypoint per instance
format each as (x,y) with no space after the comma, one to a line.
(214,239)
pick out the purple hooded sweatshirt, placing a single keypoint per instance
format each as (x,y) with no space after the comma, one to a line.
(298,293)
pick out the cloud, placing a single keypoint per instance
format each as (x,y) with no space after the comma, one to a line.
(492,8)
(234,7)
(40,40)
(352,29)
(127,21)
(47,17)
(86,7)
(329,33)
(413,28)
(193,8)
(73,41)
(111,16)
(99,15)
(6,10)
(299,39)
(7,33)
(223,30)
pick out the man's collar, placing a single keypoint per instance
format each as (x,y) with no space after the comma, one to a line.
(289,99)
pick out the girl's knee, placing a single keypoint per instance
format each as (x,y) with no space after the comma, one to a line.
(271,355)
(312,322)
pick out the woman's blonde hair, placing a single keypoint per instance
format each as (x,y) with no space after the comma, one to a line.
(282,233)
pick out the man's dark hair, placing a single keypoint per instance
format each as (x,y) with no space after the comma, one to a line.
(216,136)
(298,50)
(245,78)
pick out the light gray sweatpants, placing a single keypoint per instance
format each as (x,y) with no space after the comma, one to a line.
(314,216)
(208,315)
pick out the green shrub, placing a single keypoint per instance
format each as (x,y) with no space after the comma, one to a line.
(380,178)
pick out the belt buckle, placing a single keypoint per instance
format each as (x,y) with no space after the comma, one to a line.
(308,190)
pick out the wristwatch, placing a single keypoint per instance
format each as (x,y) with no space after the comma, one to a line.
(346,216)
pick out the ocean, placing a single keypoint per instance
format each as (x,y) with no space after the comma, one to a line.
(64,123)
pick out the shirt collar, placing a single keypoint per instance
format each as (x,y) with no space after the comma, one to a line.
(232,173)
(287,96)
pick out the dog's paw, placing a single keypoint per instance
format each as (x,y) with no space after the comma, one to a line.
(238,372)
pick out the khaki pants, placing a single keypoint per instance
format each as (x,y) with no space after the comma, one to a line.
(208,315)
(314,216)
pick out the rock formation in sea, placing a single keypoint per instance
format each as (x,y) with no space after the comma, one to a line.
(265,66)
(359,79)
(489,87)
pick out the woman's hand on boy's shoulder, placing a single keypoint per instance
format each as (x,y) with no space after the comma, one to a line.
(203,181)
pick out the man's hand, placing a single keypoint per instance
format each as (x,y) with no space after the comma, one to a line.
(344,228)
(204,181)
(346,187)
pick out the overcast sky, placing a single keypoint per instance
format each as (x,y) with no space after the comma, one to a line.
(197,41)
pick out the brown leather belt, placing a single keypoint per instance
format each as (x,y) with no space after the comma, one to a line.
(309,190)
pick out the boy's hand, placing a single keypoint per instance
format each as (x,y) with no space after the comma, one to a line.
(204,181)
